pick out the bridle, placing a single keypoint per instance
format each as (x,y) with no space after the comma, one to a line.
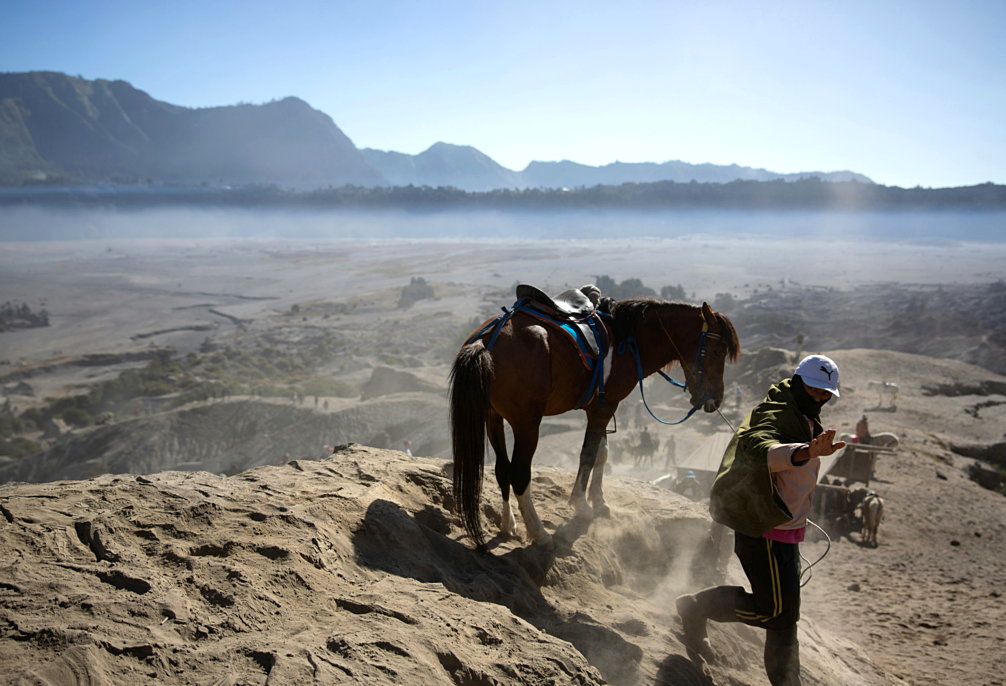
(696,369)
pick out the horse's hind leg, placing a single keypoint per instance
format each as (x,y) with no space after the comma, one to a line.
(497,438)
(525,439)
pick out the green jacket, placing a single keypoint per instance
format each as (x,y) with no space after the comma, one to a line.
(743,496)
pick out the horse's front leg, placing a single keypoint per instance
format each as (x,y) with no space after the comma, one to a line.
(497,438)
(592,460)
(596,494)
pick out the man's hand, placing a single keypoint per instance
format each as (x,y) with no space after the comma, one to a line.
(824,445)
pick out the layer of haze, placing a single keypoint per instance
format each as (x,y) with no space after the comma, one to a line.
(875,231)
(905,92)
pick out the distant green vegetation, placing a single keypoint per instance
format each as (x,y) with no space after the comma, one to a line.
(724,302)
(809,193)
(673,292)
(630,288)
(265,372)
(634,288)
(417,290)
(11,444)
(18,447)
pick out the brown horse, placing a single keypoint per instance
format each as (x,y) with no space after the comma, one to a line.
(533,371)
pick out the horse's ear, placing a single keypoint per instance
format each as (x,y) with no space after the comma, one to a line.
(708,316)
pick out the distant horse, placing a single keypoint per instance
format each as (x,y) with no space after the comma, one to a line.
(644,449)
(533,371)
(873,514)
(884,388)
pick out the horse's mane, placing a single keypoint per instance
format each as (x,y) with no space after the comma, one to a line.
(626,315)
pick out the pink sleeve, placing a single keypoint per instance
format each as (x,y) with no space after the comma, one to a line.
(780,456)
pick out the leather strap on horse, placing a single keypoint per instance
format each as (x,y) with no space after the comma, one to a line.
(498,324)
(700,358)
(597,377)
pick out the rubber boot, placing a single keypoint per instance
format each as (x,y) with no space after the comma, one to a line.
(782,657)
(717,603)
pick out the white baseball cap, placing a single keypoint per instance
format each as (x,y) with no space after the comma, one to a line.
(820,372)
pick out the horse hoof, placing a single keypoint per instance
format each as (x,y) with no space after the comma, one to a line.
(602,510)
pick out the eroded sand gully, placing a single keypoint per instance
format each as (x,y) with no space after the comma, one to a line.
(352,568)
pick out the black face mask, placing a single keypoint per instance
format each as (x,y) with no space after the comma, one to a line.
(810,407)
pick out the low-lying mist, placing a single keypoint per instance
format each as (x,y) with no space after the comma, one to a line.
(47,224)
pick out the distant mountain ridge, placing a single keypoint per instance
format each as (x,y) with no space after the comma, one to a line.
(60,128)
(465,167)
(67,128)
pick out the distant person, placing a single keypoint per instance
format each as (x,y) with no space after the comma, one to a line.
(763,491)
(316,402)
(670,450)
(645,439)
(639,414)
(407,445)
(738,397)
(863,431)
(689,486)
(325,404)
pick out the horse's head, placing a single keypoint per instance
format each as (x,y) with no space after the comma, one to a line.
(711,352)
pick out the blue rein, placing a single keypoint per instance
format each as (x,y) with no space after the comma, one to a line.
(700,359)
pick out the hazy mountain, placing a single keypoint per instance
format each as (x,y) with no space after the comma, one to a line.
(464,167)
(571,175)
(54,125)
(443,164)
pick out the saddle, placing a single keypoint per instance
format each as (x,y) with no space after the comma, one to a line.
(574,313)
(571,312)
(576,303)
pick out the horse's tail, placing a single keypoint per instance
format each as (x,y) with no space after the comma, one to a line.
(470,383)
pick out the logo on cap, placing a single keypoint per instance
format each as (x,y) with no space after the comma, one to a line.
(825,370)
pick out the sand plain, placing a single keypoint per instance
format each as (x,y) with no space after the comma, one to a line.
(926,610)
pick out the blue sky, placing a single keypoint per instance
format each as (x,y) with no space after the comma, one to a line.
(905,92)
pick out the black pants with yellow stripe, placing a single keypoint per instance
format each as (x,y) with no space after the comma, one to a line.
(773,569)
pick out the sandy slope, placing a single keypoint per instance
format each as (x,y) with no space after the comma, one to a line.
(349,570)
(927,603)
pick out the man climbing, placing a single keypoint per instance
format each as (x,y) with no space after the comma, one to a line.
(763,491)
